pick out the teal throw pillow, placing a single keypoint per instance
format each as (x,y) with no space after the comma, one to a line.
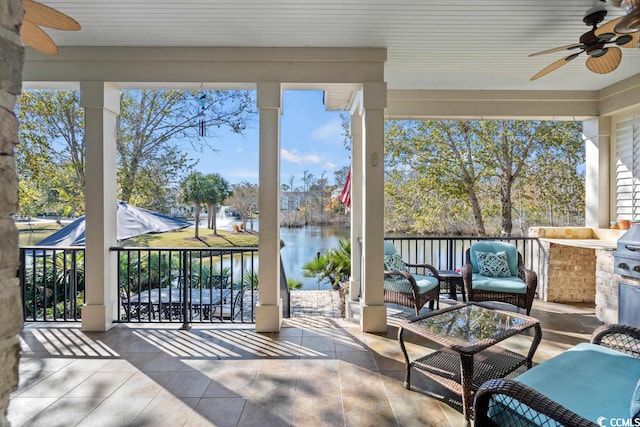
(492,264)
(635,402)
(394,262)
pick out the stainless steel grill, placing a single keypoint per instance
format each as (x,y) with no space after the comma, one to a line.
(626,258)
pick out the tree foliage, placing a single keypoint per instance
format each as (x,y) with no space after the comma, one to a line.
(50,156)
(245,200)
(153,130)
(333,266)
(193,190)
(440,173)
(217,190)
(153,127)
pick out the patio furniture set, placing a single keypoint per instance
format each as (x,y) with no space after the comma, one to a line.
(587,385)
(167,303)
(493,271)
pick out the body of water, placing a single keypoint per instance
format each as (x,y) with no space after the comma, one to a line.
(301,246)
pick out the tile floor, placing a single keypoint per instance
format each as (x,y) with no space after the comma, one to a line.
(318,371)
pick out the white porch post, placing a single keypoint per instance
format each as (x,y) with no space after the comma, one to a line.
(356,204)
(597,134)
(102,106)
(269,307)
(373,316)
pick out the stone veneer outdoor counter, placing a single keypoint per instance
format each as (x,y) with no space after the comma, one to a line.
(572,268)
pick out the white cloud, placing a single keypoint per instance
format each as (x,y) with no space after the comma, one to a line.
(329,165)
(294,157)
(331,131)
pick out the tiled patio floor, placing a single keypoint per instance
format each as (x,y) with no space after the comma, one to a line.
(318,371)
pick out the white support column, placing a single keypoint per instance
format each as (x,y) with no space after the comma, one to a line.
(102,106)
(356,204)
(597,134)
(269,307)
(373,312)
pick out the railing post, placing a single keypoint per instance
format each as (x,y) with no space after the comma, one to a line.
(21,273)
(185,291)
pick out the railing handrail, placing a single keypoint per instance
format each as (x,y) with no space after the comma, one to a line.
(181,248)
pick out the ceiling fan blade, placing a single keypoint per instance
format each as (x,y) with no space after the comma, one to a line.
(549,68)
(558,49)
(606,63)
(33,36)
(633,42)
(48,17)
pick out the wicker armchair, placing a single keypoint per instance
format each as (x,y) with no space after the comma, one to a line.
(410,285)
(501,402)
(518,287)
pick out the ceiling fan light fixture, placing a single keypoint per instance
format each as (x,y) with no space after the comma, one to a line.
(631,22)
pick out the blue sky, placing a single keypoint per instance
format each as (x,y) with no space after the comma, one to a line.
(310,138)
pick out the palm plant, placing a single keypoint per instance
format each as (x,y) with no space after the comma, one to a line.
(54,279)
(334,266)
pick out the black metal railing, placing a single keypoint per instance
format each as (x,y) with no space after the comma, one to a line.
(215,284)
(52,283)
(187,285)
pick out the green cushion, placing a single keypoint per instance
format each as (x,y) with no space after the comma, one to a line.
(591,380)
(491,246)
(389,248)
(425,284)
(512,285)
(493,264)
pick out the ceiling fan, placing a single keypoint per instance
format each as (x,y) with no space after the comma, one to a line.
(37,15)
(602,59)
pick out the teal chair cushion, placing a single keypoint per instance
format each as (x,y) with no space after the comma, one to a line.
(425,284)
(389,248)
(511,285)
(601,380)
(634,410)
(494,247)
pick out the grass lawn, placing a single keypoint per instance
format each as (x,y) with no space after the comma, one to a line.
(185,239)
(175,239)
(38,226)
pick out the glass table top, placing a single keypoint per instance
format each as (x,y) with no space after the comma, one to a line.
(471,324)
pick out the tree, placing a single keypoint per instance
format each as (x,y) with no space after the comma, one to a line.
(217,191)
(51,154)
(476,163)
(443,154)
(151,130)
(152,123)
(245,200)
(194,190)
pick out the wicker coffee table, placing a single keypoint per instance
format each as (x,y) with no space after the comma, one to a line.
(468,357)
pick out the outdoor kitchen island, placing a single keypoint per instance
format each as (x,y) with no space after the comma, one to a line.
(579,267)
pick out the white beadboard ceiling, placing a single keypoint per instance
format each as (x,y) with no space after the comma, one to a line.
(431,44)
